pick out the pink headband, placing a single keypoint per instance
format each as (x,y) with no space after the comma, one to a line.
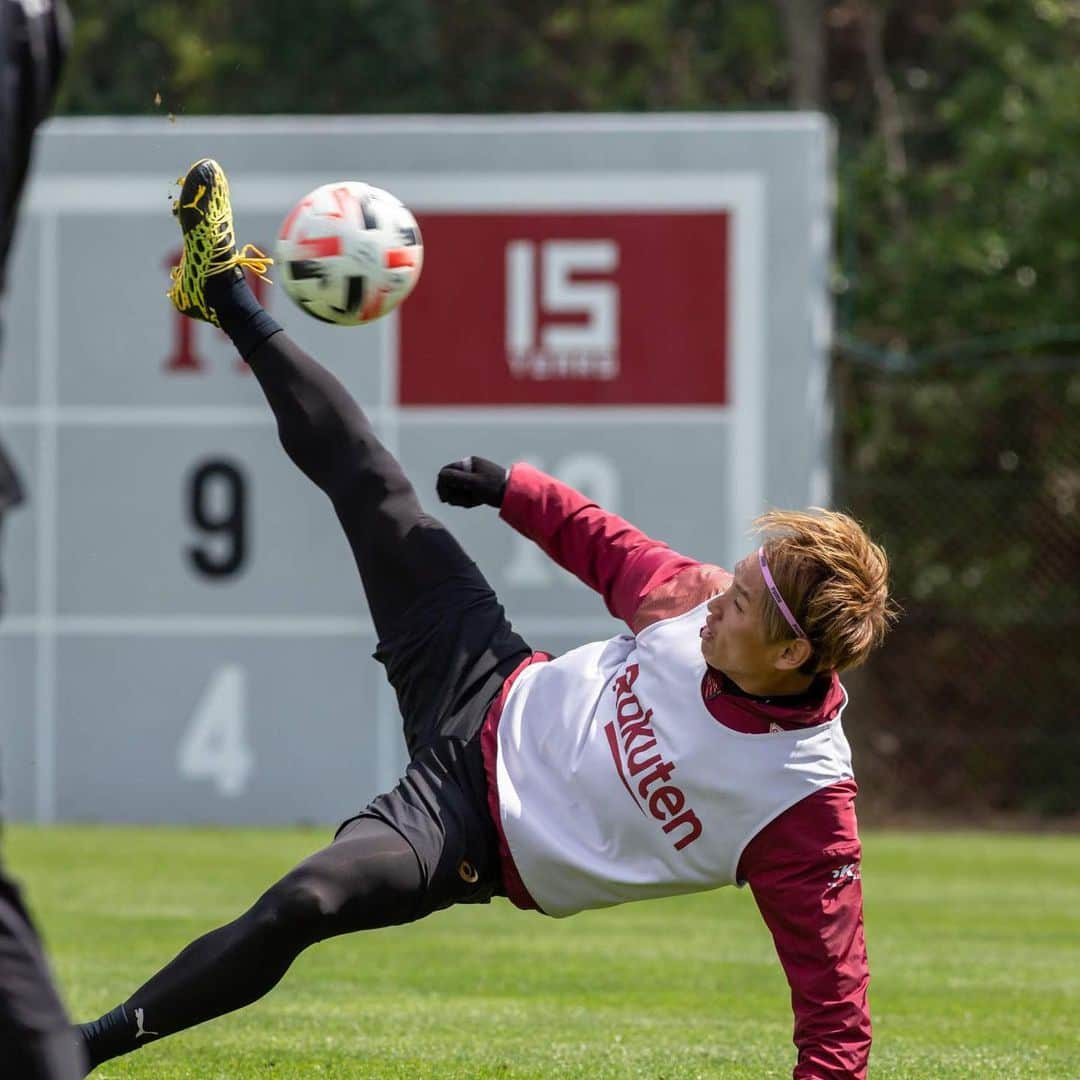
(771,586)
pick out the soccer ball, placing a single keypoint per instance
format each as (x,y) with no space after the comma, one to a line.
(349,253)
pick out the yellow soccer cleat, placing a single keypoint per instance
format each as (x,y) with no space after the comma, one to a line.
(205,215)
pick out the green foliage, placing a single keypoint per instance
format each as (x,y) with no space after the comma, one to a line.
(972,481)
(365,56)
(322,56)
(978,235)
(974,234)
(967,464)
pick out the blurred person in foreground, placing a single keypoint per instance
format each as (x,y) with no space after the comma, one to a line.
(701,748)
(35,1037)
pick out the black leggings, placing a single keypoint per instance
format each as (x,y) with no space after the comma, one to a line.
(401,552)
(369,876)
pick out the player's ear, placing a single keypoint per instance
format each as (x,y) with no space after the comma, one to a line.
(794,654)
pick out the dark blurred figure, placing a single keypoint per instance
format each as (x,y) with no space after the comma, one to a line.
(35,1038)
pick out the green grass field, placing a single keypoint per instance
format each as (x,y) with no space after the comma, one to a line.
(974,943)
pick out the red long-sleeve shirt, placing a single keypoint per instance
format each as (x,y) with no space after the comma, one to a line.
(803,867)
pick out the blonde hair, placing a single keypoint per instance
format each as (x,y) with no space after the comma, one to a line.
(834,578)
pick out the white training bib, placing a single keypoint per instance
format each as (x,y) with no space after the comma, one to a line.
(616,783)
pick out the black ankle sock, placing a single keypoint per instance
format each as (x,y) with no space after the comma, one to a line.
(108,1036)
(242,317)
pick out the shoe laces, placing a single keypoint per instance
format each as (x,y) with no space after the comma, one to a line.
(249,257)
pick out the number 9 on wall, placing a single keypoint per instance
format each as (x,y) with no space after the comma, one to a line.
(217,507)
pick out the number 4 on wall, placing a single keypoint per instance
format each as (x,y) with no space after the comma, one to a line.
(215,746)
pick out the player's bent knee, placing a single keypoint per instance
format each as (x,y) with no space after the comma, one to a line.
(296,908)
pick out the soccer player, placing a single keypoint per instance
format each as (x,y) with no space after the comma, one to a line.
(35,1036)
(703,747)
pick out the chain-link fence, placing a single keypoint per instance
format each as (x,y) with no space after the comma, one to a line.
(970,476)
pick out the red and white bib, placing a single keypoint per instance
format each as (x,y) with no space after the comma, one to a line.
(616,783)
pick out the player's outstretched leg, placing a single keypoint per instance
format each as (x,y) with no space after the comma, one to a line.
(367,878)
(401,552)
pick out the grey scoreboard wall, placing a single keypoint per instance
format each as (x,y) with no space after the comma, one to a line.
(636,304)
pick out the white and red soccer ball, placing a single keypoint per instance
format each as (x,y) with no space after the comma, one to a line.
(349,253)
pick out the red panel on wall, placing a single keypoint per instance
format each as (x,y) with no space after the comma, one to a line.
(569,309)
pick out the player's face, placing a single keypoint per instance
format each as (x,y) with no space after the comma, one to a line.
(733,637)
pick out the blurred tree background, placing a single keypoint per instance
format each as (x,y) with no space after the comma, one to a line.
(956,370)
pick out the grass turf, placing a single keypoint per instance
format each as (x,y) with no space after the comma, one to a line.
(974,945)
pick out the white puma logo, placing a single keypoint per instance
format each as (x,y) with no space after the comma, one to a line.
(140,1031)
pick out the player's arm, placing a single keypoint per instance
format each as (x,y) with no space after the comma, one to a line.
(803,870)
(609,554)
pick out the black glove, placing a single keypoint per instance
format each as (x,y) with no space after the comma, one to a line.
(473,481)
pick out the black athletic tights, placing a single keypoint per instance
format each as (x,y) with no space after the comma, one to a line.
(369,876)
(400,551)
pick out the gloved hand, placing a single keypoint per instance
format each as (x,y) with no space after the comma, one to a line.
(473,481)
